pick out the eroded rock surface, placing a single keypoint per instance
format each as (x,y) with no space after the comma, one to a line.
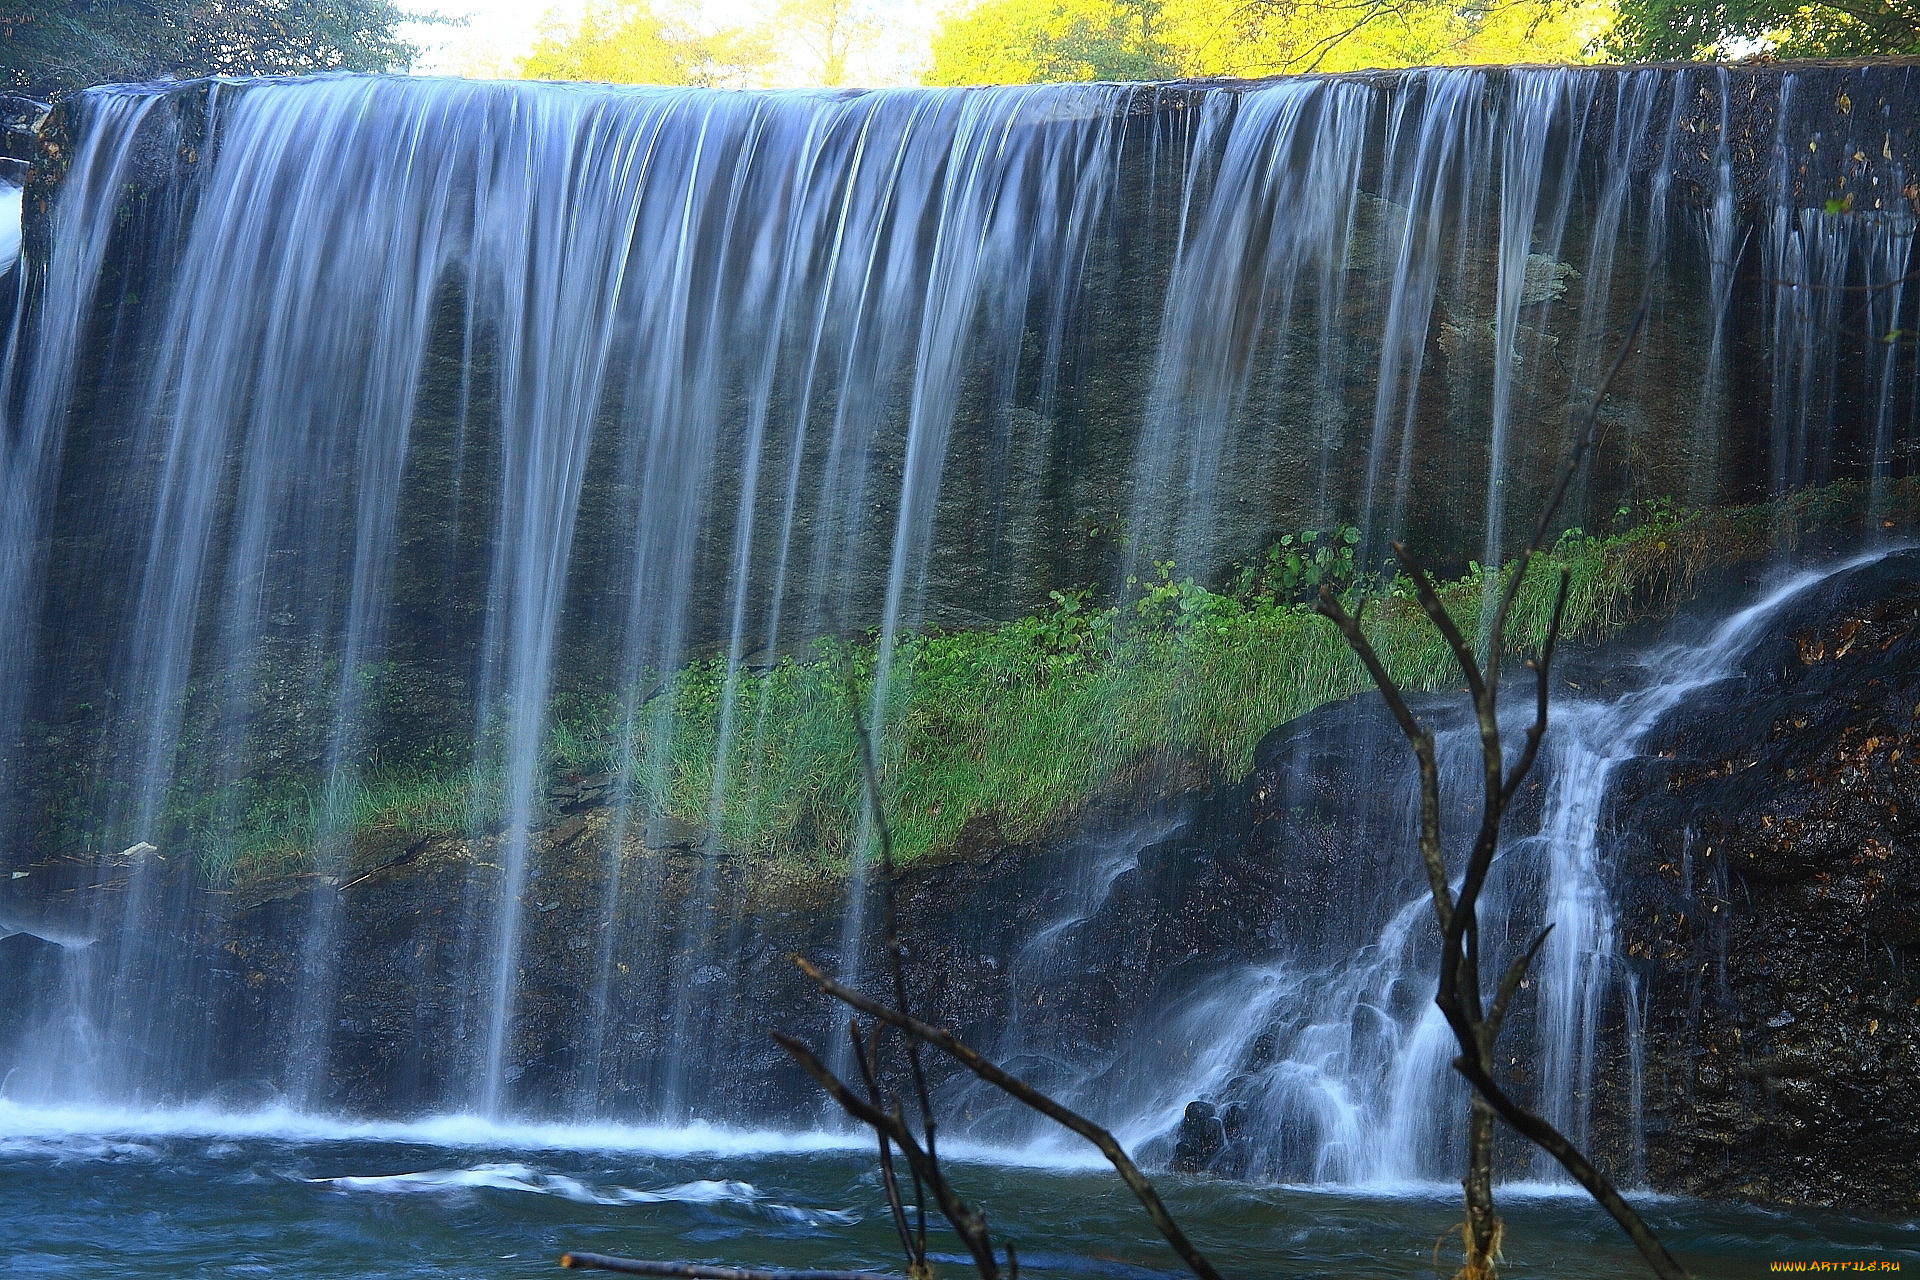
(1769,879)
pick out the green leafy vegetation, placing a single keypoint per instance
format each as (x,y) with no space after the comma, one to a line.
(56,46)
(1030,41)
(254,831)
(1651,30)
(808,42)
(1022,42)
(632,42)
(1020,723)
(1029,719)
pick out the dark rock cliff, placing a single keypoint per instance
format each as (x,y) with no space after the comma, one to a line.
(1768,864)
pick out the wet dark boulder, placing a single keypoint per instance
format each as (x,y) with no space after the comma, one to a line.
(1333,795)
(1768,876)
(18,119)
(1200,1140)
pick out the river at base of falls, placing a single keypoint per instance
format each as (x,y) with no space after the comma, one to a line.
(222,1195)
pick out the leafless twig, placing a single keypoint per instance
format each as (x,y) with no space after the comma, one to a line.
(888,1122)
(969,1224)
(1475,1025)
(886,1117)
(1014,1087)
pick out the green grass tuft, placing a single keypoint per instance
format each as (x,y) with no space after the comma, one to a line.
(1027,720)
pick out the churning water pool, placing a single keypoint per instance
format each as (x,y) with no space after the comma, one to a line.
(209,1196)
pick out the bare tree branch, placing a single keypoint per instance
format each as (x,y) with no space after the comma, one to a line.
(967,1223)
(1459,989)
(1510,981)
(1541,665)
(889,929)
(946,1042)
(1418,735)
(1481,1231)
(912,1244)
(1582,1170)
(1459,1000)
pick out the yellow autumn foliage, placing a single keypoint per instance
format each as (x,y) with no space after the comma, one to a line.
(1030,41)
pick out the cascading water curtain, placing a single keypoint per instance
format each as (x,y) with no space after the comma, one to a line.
(365,437)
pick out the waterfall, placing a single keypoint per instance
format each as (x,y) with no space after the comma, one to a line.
(10,202)
(357,428)
(1336,1068)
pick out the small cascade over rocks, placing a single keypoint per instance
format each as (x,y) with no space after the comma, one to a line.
(1330,1062)
(366,433)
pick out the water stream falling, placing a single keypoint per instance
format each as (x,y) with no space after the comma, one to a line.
(10,202)
(355,426)
(1332,1064)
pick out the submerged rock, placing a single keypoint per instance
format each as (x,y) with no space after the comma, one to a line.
(1200,1140)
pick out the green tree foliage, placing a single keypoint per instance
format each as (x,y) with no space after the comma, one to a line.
(1666,29)
(1028,41)
(52,47)
(630,42)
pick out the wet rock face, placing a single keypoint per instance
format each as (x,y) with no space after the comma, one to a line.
(1137,903)
(18,117)
(1769,881)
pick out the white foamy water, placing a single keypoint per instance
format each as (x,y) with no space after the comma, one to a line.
(514,1176)
(9,225)
(103,1132)
(1344,1071)
(80,1125)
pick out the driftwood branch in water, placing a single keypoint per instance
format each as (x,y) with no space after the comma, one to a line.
(699,1271)
(1014,1087)
(969,1224)
(1460,991)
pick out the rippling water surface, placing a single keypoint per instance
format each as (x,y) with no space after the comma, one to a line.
(272,1195)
